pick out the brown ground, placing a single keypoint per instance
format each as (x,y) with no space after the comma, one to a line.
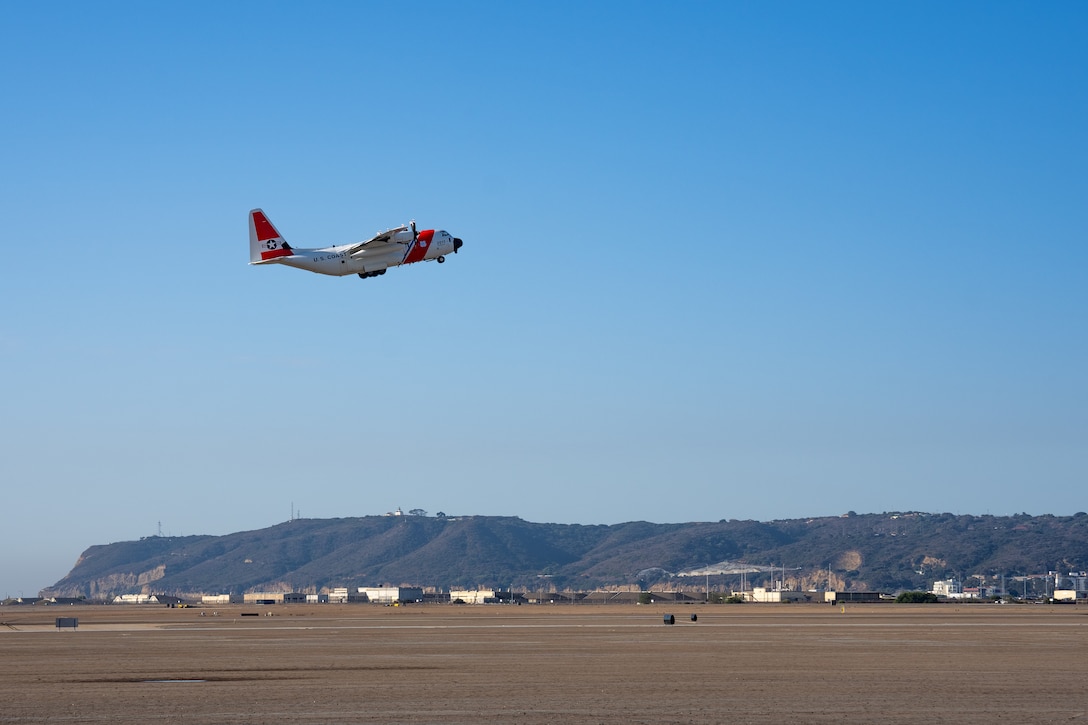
(540,664)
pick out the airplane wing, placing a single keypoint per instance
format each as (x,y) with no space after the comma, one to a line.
(377,243)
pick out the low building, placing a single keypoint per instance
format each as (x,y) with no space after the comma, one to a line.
(762,594)
(317,598)
(612,598)
(478,596)
(263,598)
(221,599)
(392,595)
(834,598)
(546,597)
(162,599)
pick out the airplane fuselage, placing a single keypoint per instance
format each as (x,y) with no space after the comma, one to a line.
(338,261)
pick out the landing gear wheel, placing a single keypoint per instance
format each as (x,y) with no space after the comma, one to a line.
(441,259)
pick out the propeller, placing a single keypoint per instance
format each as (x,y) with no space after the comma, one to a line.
(414,235)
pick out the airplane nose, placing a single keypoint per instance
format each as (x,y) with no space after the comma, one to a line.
(457,244)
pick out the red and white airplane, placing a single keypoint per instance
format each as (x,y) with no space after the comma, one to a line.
(392,248)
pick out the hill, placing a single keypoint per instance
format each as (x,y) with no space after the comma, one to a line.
(889,551)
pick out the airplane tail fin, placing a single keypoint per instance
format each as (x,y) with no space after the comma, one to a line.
(265,243)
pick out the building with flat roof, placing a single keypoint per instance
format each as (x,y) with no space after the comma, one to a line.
(857,597)
(762,594)
(392,595)
(221,599)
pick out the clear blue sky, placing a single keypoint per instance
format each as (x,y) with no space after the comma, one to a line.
(722,260)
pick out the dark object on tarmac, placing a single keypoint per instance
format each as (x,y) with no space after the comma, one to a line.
(695,617)
(67,622)
(669,619)
(251,614)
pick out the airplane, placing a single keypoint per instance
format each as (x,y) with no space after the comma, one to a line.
(391,248)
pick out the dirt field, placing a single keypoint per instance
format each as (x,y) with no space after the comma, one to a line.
(541,664)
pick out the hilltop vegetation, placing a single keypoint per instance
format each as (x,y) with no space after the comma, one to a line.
(889,552)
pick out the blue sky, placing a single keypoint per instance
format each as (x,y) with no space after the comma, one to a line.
(722,260)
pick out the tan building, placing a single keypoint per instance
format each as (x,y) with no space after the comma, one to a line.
(503,596)
(221,599)
(474,596)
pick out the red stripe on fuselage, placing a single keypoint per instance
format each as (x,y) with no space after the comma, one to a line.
(286,252)
(265,230)
(419,249)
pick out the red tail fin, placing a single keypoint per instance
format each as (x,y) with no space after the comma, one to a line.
(265,243)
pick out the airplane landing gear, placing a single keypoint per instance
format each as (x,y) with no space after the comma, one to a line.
(364,275)
(440,259)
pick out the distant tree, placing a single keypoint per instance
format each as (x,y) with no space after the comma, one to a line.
(645,598)
(417,512)
(916,598)
(441,514)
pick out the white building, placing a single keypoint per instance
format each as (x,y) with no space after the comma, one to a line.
(762,594)
(135,599)
(146,599)
(478,596)
(391,595)
(948,588)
